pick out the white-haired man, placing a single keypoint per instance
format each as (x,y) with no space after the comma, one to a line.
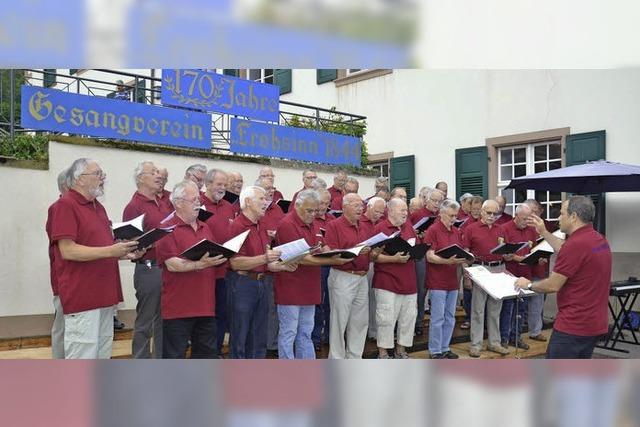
(188,287)
(89,285)
(55,261)
(254,265)
(337,190)
(267,172)
(196,173)
(394,285)
(234,186)
(375,212)
(308,176)
(147,276)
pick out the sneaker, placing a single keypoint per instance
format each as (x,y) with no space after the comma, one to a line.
(474,352)
(436,356)
(465,325)
(402,355)
(117,324)
(449,355)
(538,337)
(521,344)
(498,349)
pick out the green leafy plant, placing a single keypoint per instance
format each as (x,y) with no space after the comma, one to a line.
(25,147)
(335,123)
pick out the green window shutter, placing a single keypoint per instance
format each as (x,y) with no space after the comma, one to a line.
(231,72)
(282,78)
(472,171)
(584,147)
(141,93)
(49,78)
(324,76)
(402,174)
(72,71)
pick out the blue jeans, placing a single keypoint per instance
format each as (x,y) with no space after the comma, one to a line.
(421,272)
(536,304)
(443,320)
(566,346)
(249,318)
(296,324)
(508,319)
(320,334)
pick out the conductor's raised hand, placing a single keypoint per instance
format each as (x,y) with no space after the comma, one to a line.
(537,222)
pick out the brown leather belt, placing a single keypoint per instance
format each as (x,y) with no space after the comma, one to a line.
(252,274)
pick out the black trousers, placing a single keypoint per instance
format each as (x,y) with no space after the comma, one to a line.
(566,346)
(177,333)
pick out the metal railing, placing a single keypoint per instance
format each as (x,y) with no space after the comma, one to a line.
(147,89)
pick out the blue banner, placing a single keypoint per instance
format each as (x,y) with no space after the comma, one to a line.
(294,143)
(204,90)
(54,110)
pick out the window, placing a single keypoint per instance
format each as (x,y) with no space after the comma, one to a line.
(517,161)
(261,75)
(382,167)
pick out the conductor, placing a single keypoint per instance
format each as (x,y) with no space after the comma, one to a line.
(581,277)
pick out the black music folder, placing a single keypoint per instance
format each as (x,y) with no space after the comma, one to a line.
(284,205)
(424,223)
(455,250)
(508,248)
(533,257)
(231,197)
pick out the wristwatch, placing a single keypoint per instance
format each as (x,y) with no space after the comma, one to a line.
(530,286)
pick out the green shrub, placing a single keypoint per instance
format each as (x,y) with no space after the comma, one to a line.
(25,146)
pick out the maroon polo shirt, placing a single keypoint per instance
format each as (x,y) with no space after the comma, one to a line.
(513,234)
(421,213)
(480,239)
(367,224)
(462,214)
(336,198)
(322,222)
(188,294)
(395,277)
(154,210)
(301,287)
(504,219)
(470,220)
(277,196)
(272,217)
(585,260)
(55,259)
(165,199)
(443,277)
(219,224)
(341,234)
(295,196)
(90,284)
(256,242)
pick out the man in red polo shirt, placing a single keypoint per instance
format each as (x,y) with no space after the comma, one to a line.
(147,276)
(348,290)
(337,190)
(503,217)
(298,292)
(267,172)
(164,195)
(474,216)
(188,287)
(394,286)
(308,176)
(465,206)
(582,278)
(517,231)
(215,182)
(234,185)
(55,262)
(253,264)
(479,238)
(196,173)
(376,208)
(271,219)
(89,283)
(431,199)
(321,322)
(442,280)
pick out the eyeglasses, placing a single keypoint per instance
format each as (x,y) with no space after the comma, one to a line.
(491,213)
(97,173)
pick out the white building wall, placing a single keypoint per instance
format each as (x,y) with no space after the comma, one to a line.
(24,264)
(431,113)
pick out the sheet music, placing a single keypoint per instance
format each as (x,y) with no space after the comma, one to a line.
(498,285)
(236,243)
(135,222)
(411,241)
(380,237)
(293,250)
(545,246)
